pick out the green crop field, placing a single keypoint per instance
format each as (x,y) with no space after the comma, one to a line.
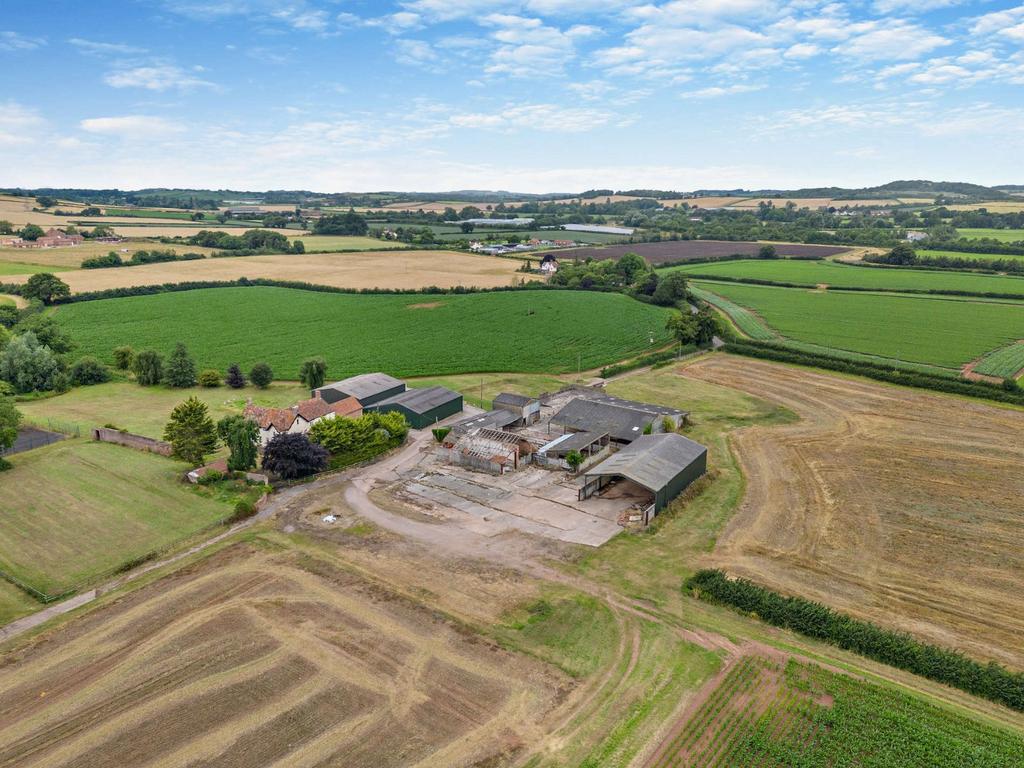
(918,329)
(329,243)
(17,267)
(409,335)
(481,233)
(1004,363)
(838,275)
(745,320)
(971,256)
(764,713)
(76,510)
(156,213)
(1002,235)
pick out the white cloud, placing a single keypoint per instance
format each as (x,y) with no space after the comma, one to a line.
(418,53)
(157,77)
(95,48)
(19,124)
(131,126)
(895,40)
(715,92)
(539,117)
(14,42)
(802,51)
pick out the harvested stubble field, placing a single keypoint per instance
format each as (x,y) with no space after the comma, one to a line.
(944,331)
(371,269)
(774,712)
(408,335)
(685,250)
(57,259)
(892,504)
(840,275)
(254,658)
(75,510)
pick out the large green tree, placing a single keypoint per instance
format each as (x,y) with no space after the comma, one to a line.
(671,290)
(28,365)
(148,367)
(31,232)
(191,432)
(181,368)
(10,418)
(46,287)
(631,266)
(313,372)
(291,455)
(683,326)
(241,436)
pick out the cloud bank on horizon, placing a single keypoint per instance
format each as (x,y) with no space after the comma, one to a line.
(532,96)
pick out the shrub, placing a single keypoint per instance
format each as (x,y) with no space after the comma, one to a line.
(88,371)
(112,259)
(148,368)
(234,377)
(291,456)
(261,375)
(243,510)
(372,430)
(313,372)
(574,459)
(123,358)
(667,425)
(440,433)
(898,649)
(209,378)
(181,368)
(211,477)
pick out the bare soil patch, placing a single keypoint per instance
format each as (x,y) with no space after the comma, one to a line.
(253,657)
(667,252)
(426,305)
(369,269)
(892,504)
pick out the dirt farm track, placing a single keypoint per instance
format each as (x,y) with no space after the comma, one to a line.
(251,658)
(889,503)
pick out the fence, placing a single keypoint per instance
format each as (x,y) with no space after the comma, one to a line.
(127,439)
(33,437)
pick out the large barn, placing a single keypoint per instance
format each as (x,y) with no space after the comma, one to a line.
(422,407)
(367,388)
(659,466)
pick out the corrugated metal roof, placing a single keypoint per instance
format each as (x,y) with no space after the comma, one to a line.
(585,415)
(365,385)
(661,410)
(652,461)
(421,400)
(511,398)
(577,441)
(487,420)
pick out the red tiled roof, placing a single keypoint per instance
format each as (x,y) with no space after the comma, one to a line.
(280,419)
(313,409)
(346,406)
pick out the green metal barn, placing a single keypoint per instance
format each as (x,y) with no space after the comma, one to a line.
(422,407)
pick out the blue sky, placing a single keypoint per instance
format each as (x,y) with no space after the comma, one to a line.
(534,96)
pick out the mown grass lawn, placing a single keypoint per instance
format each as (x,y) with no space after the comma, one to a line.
(408,335)
(920,329)
(145,410)
(73,511)
(837,275)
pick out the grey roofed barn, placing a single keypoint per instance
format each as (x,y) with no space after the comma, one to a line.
(497,419)
(511,398)
(367,388)
(660,410)
(664,464)
(622,424)
(422,407)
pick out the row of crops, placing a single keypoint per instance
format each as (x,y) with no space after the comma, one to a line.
(1004,363)
(768,714)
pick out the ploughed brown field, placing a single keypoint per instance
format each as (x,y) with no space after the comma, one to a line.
(254,658)
(892,504)
(685,250)
(366,269)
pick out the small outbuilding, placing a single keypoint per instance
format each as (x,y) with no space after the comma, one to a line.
(498,419)
(367,388)
(422,407)
(526,408)
(661,465)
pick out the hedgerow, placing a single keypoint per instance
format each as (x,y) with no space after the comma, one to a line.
(878,371)
(642,362)
(898,649)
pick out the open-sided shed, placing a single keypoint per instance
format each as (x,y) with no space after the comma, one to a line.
(663,464)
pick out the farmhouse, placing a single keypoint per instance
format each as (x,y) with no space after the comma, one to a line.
(622,420)
(367,388)
(421,407)
(299,418)
(549,264)
(527,409)
(53,238)
(656,468)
